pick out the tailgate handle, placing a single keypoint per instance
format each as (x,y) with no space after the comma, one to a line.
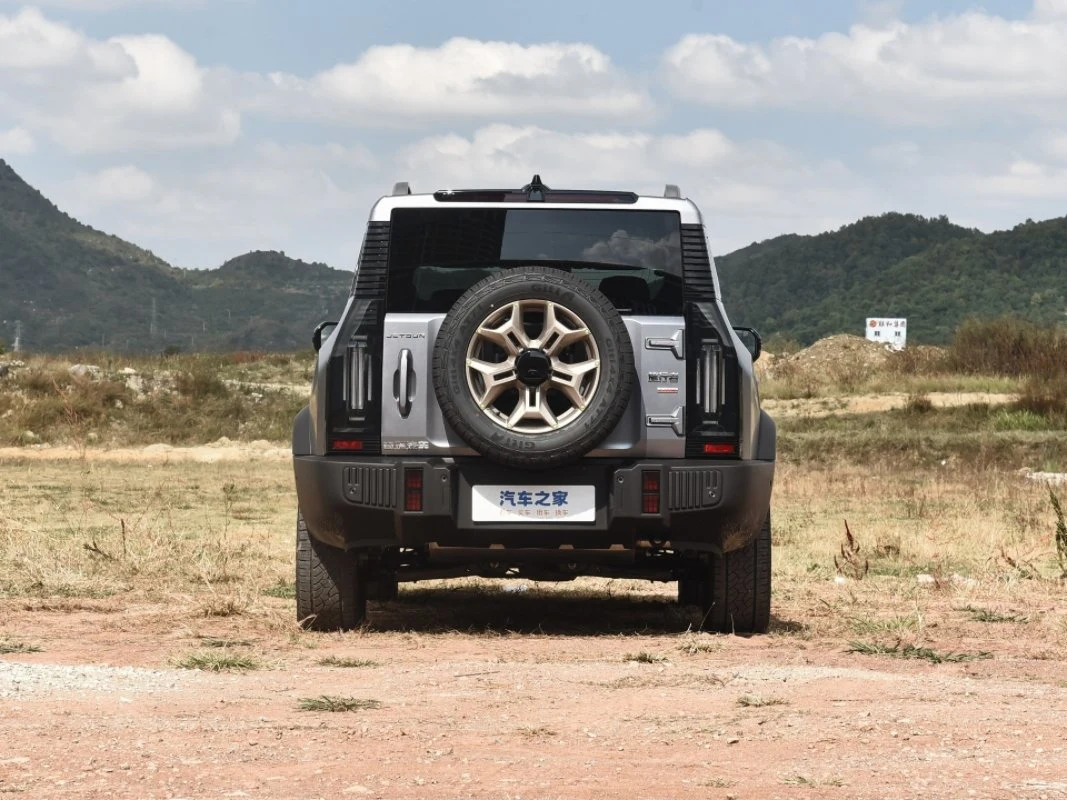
(406,381)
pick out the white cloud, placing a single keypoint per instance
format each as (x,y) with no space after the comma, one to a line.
(461,78)
(107,5)
(747,190)
(17,141)
(270,196)
(973,63)
(126,93)
(116,185)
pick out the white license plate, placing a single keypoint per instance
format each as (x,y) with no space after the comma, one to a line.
(541,503)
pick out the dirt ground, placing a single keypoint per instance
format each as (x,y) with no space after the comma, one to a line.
(482,689)
(539,696)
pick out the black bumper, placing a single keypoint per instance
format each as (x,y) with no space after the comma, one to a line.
(705,505)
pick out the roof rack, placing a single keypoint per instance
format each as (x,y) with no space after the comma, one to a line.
(533,192)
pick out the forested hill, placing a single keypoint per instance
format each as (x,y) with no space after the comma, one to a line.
(897,265)
(73,286)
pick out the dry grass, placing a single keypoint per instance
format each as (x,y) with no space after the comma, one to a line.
(347,663)
(218,661)
(938,517)
(644,658)
(178,400)
(153,530)
(337,704)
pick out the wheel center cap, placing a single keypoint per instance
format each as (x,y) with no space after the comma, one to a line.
(534,367)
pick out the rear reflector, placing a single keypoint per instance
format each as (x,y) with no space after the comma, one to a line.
(346,444)
(649,492)
(413,489)
(720,449)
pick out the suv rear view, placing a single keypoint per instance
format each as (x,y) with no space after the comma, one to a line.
(540,384)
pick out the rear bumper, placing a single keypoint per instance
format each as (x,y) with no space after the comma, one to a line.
(705,505)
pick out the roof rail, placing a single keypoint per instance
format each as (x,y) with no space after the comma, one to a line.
(401,188)
(672,192)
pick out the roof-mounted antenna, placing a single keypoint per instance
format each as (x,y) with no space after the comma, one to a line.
(401,188)
(672,192)
(535,190)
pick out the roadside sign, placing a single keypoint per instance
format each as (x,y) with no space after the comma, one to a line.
(891,332)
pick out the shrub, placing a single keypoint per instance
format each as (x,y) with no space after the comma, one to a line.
(1045,395)
(1008,346)
(918,404)
(1019,420)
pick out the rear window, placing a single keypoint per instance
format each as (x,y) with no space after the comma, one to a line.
(633,257)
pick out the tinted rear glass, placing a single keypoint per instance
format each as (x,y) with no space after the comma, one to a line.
(634,257)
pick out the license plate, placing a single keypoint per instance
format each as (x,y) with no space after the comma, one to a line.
(540,503)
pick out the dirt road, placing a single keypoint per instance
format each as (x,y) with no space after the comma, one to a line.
(587,691)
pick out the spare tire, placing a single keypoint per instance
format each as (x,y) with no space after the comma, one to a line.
(533,368)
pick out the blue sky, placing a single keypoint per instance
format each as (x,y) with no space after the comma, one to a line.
(202,129)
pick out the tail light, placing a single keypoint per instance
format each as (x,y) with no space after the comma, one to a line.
(720,449)
(413,489)
(650,492)
(346,445)
(357,377)
(711,388)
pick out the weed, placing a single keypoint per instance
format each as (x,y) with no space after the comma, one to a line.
(911,651)
(693,645)
(907,623)
(348,663)
(1020,420)
(1061,532)
(222,607)
(645,658)
(986,615)
(331,703)
(283,590)
(211,641)
(539,732)
(214,661)
(9,648)
(759,701)
(850,565)
(918,404)
(804,780)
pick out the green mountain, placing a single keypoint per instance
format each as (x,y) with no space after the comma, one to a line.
(73,286)
(897,265)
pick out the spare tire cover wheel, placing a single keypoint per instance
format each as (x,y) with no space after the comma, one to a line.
(533,368)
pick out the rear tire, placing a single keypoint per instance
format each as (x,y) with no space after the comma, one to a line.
(331,594)
(736,591)
(689,591)
(385,589)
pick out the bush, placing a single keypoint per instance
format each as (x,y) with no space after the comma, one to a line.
(1008,346)
(1019,420)
(1046,396)
(200,384)
(918,404)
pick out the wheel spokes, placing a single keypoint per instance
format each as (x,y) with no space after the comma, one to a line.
(532,405)
(567,388)
(556,335)
(508,333)
(568,379)
(497,378)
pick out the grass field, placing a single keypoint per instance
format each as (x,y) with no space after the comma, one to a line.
(918,633)
(215,540)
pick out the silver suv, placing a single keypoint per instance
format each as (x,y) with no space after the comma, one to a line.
(541,384)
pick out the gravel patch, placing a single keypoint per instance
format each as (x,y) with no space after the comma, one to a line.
(24,681)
